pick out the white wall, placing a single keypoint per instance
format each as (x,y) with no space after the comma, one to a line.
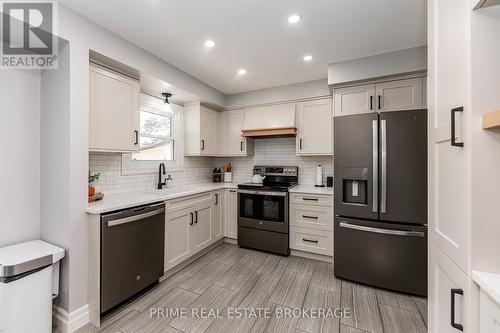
(20,161)
(55,219)
(386,64)
(291,92)
(485,154)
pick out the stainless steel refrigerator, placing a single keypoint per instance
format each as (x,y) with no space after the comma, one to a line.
(380,195)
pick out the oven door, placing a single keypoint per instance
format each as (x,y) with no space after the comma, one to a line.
(263,210)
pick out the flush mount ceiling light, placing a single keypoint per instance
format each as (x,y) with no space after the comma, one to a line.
(308,58)
(166,96)
(209,43)
(293,18)
(242,71)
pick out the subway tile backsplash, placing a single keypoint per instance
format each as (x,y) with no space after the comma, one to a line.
(275,151)
(278,151)
(196,170)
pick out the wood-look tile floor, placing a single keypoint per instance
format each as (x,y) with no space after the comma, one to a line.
(233,277)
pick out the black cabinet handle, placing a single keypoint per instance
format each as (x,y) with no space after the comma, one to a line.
(310,217)
(202,144)
(232,191)
(310,240)
(192,219)
(453,112)
(310,199)
(216,199)
(241,145)
(454,292)
(136,135)
(379,102)
(300,144)
(196,216)
(371,102)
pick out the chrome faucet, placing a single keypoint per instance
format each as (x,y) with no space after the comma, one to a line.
(161,170)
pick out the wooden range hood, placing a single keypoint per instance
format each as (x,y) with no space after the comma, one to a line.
(269,132)
(269,121)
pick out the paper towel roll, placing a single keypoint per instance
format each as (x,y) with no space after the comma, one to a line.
(319,176)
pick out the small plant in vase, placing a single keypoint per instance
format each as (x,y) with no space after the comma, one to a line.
(93,178)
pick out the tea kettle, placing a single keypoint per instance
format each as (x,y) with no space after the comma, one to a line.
(257,179)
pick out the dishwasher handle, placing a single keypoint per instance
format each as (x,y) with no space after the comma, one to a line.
(133,218)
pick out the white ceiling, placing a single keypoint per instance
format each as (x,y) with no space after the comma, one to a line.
(255,34)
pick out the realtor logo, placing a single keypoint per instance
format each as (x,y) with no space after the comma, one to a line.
(29,39)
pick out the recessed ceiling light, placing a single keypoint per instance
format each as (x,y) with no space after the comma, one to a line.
(293,18)
(209,43)
(308,58)
(242,71)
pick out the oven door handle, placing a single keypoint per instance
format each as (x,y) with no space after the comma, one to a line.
(269,193)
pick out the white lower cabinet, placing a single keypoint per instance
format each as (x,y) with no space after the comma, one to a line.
(202,226)
(218,216)
(311,240)
(177,237)
(231,220)
(191,224)
(448,284)
(489,314)
(311,223)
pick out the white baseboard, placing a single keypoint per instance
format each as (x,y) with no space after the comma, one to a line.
(230,240)
(309,255)
(70,322)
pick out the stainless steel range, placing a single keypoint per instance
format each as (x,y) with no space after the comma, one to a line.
(263,209)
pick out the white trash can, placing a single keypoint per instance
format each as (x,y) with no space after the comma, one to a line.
(29,280)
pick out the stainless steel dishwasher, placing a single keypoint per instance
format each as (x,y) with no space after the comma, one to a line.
(132,252)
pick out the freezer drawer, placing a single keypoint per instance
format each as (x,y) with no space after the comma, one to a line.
(385,255)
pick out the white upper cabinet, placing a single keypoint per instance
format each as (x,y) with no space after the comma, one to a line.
(201,130)
(231,141)
(400,95)
(315,127)
(354,100)
(209,129)
(396,95)
(114,111)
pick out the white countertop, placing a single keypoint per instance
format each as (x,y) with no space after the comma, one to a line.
(113,202)
(311,189)
(489,283)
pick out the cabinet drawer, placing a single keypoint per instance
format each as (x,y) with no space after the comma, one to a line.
(312,199)
(185,202)
(311,216)
(311,240)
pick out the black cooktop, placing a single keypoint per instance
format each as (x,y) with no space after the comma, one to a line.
(281,187)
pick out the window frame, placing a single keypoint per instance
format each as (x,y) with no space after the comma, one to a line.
(138,167)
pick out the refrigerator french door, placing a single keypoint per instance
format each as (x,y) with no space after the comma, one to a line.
(381,199)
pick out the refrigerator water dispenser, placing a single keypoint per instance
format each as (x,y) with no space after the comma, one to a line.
(355,185)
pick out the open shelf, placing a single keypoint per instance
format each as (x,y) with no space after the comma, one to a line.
(491,119)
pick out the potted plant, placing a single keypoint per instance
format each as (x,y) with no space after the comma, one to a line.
(92,178)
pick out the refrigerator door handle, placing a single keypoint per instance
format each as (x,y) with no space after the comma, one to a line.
(383,183)
(375,165)
(383,231)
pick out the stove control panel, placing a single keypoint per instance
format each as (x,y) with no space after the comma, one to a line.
(291,171)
